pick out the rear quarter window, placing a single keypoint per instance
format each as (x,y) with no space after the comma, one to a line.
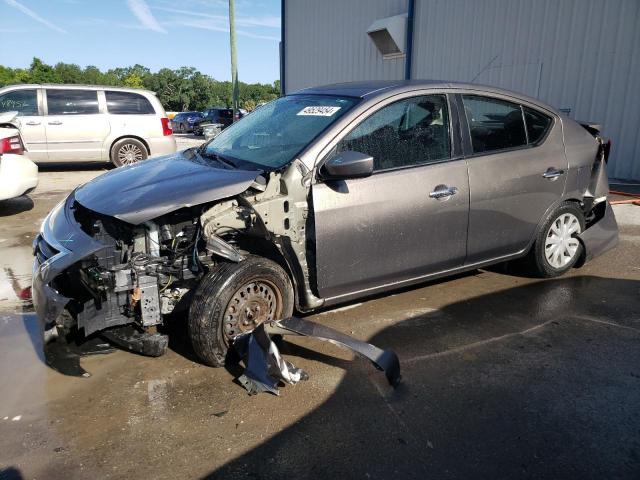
(127,103)
(538,124)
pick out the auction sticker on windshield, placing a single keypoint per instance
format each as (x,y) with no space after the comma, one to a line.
(318,111)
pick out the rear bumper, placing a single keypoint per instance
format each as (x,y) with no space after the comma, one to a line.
(162,146)
(18,175)
(601,236)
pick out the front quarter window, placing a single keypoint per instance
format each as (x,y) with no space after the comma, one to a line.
(274,134)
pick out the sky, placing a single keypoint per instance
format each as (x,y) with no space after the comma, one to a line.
(153,33)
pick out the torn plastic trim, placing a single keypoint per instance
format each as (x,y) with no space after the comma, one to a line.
(265,367)
(602,235)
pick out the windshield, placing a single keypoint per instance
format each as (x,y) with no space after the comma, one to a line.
(275,133)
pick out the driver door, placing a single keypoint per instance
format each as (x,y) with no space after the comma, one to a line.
(407,220)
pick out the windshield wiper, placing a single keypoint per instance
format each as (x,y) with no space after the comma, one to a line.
(219,158)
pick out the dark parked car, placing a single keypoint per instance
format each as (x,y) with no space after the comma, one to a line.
(318,198)
(223,116)
(184,122)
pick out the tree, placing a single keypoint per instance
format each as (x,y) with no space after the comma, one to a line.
(181,89)
(133,81)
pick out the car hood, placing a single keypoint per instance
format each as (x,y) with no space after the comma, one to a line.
(146,190)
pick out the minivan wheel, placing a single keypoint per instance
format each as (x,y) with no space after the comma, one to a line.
(234,298)
(557,248)
(127,152)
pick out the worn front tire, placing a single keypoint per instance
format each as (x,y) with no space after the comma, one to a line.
(557,249)
(219,311)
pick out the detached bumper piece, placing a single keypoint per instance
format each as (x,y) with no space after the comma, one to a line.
(266,369)
(602,235)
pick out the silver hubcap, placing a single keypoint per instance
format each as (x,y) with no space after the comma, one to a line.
(129,153)
(561,245)
(253,303)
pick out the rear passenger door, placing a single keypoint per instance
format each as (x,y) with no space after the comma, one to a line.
(75,126)
(517,170)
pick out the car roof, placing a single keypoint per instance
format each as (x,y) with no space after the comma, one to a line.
(386,88)
(72,86)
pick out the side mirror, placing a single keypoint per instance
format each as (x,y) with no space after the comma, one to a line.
(347,164)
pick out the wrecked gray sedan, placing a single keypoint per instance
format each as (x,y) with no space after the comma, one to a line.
(320,197)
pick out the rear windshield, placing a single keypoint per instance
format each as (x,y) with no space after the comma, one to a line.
(275,133)
(127,103)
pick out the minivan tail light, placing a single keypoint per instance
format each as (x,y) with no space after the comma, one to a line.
(166,129)
(11,145)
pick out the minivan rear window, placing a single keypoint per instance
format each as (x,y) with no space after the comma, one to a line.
(72,102)
(128,103)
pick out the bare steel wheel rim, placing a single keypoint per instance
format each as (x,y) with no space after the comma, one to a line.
(129,153)
(254,302)
(561,244)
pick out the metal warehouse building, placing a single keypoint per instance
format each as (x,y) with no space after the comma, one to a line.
(581,56)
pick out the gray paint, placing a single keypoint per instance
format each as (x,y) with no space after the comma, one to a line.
(146,190)
(577,54)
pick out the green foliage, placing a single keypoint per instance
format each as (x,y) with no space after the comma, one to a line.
(181,89)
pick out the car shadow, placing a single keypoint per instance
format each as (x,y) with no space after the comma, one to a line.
(539,381)
(14,206)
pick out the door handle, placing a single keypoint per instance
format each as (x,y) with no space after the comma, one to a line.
(552,173)
(32,122)
(55,122)
(443,192)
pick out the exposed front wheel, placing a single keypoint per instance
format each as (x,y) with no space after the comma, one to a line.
(557,248)
(234,298)
(127,152)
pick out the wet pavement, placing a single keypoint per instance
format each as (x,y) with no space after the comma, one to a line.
(503,377)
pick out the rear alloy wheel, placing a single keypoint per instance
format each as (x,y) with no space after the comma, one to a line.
(557,248)
(234,298)
(127,152)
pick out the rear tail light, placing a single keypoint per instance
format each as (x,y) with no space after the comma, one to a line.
(11,145)
(166,129)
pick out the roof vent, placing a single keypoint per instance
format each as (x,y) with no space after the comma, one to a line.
(389,35)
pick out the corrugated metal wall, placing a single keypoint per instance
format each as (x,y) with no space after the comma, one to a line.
(582,55)
(326,42)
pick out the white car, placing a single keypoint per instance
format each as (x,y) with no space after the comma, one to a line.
(69,123)
(18,174)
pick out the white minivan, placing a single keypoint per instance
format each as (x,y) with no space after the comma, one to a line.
(68,123)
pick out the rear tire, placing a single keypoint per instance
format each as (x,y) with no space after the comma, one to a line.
(556,249)
(233,298)
(127,152)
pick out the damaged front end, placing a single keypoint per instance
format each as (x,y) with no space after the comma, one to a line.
(93,272)
(101,268)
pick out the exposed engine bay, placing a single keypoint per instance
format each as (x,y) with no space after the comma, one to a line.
(147,271)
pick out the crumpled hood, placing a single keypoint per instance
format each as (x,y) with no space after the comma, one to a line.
(151,188)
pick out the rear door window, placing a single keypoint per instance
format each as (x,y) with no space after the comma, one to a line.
(408,132)
(538,124)
(72,102)
(128,103)
(494,124)
(25,102)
